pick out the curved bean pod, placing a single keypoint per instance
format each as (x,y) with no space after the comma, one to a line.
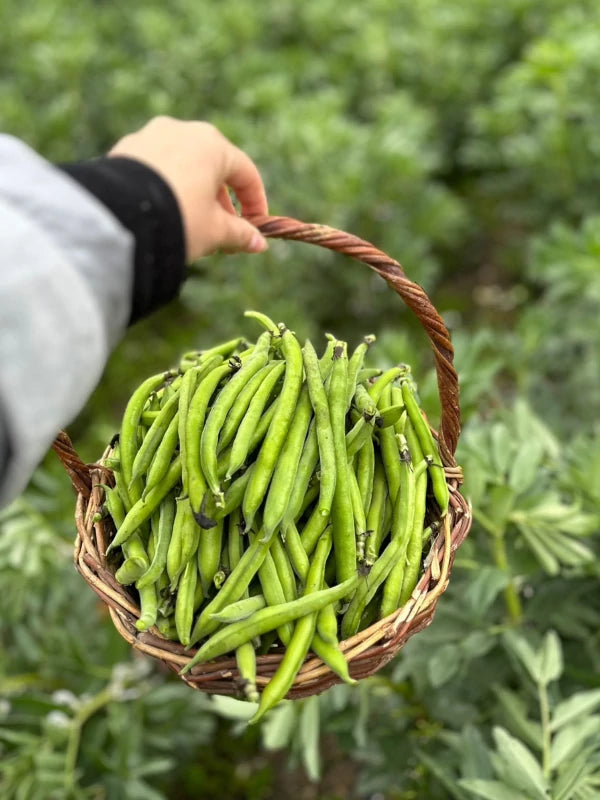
(143,509)
(320,405)
(273,442)
(428,446)
(223,402)
(241,444)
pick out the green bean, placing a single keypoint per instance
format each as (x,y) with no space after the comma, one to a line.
(142,509)
(184,605)
(304,631)
(375,516)
(148,608)
(287,464)
(167,629)
(233,496)
(360,520)
(242,609)
(355,365)
(134,548)
(342,517)
(406,501)
(306,466)
(296,552)
(358,436)
(114,505)
(245,658)
(284,569)
(364,403)
(234,587)
(153,438)
(159,560)
(273,442)
(267,619)
(320,404)
(428,446)
(131,420)
(415,544)
(174,560)
(209,554)
(376,389)
(148,417)
(312,531)
(265,321)
(273,593)
(241,444)
(130,570)
(333,657)
(371,581)
(326,360)
(365,375)
(389,452)
(198,595)
(327,624)
(225,349)
(197,486)
(365,470)
(223,403)
(188,389)
(163,455)
(240,406)
(389,415)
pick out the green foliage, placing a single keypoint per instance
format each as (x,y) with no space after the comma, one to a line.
(463,140)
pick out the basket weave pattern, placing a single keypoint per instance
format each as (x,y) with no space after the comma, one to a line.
(370,649)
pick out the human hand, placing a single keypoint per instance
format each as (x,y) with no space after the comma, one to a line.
(199,163)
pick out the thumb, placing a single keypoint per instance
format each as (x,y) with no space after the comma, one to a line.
(236,234)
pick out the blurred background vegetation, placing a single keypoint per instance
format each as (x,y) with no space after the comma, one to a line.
(463,139)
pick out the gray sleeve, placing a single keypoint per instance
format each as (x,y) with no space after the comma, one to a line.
(65,298)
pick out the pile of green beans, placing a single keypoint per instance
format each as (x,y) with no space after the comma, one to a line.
(271,499)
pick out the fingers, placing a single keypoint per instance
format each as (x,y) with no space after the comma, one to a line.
(225,200)
(243,177)
(235,234)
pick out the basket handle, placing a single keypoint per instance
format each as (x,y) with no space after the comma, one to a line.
(412,294)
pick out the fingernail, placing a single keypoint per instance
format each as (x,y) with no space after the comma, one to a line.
(258,244)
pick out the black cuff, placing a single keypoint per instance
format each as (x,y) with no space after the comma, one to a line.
(144,204)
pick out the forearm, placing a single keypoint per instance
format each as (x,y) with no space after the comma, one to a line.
(74,274)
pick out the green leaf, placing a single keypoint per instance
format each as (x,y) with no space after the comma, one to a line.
(575,706)
(443,665)
(521,767)
(443,775)
(516,717)
(573,779)
(475,755)
(501,447)
(570,739)
(569,551)
(484,587)
(525,467)
(310,737)
(489,790)
(501,500)
(537,546)
(550,658)
(521,648)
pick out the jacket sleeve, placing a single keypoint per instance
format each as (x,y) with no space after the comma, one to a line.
(84,251)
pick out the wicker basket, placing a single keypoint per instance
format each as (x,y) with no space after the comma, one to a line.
(373,647)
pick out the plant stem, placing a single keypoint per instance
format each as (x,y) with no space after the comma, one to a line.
(545,721)
(85,711)
(511,596)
